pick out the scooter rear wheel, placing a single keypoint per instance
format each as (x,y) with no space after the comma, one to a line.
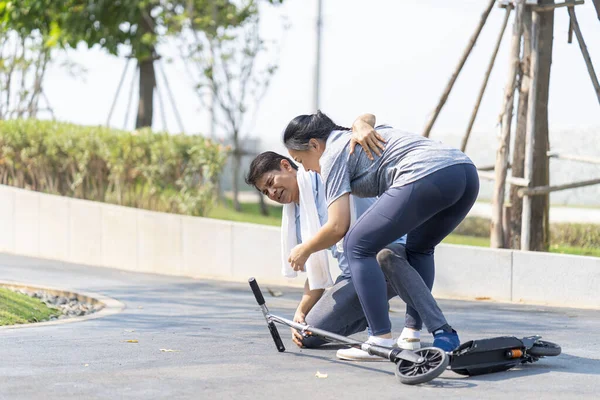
(436,361)
(541,348)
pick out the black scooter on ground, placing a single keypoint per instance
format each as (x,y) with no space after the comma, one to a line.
(474,357)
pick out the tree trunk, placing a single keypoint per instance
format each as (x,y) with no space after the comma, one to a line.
(146,89)
(518,160)
(501,166)
(540,226)
(264,210)
(147,78)
(237,165)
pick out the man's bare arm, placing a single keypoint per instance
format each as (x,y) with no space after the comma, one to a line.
(309,299)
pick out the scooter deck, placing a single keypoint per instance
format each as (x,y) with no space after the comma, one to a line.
(484,356)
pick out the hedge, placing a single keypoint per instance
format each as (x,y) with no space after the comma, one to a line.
(155,171)
(561,234)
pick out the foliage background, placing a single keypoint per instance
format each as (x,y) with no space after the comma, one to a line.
(156,171)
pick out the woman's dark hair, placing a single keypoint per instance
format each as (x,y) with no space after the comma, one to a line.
(263,163)
(305,127)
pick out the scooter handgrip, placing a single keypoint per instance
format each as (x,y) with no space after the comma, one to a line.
(276,337)
(256,290)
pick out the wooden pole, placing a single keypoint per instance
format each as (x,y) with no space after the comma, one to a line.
(536,191)
(487,168)
(572,157)
(43,94)
(584,51)
(552,7)
(497,235)
(461,63)
(513,180)
(506,216)
(112,107)
(130,98)
(518,149)
(463,145)
(530,133)
(540,205)
(597,5)
(161,103)
(173,104)
(570,34)
(317,88)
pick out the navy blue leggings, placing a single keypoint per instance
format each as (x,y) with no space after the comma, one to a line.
(428,210)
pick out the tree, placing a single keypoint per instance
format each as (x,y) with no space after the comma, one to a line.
(25,52)
(539,227)
(23,62)
(139,24)
(540,205)
(540,224)
(518,158)
(233,75)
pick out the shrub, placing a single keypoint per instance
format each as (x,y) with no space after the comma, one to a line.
(561,234)
(156,171)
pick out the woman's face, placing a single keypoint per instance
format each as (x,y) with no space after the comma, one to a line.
(309,158)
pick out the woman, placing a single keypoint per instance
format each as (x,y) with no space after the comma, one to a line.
(425,190)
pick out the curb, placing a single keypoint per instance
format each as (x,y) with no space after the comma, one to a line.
(110,306)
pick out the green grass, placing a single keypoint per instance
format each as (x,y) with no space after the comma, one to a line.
(17,308)
(579,251)
(467,240)
(251,213)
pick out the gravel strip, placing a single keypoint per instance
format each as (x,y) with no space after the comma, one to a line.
(70,306)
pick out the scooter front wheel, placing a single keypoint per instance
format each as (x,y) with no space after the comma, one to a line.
(435,362)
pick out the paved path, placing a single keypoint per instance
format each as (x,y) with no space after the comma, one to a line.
(225,351)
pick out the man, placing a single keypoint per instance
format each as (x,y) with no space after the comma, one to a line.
(336,309)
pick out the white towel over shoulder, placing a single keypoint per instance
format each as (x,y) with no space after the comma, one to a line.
(317,265)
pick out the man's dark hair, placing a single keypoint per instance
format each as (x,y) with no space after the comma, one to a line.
(263,163)
(305,127)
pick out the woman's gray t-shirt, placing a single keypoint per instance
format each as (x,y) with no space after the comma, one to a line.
(407,158)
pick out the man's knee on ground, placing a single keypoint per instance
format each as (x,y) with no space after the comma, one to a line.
(312,342)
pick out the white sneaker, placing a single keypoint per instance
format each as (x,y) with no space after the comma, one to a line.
(410,339)
(354,354)
(406,343)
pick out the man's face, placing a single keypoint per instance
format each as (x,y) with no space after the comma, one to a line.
(280,185)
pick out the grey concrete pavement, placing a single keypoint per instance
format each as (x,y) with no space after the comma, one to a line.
(225,351)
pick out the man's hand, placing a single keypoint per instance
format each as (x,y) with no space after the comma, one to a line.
(297,336)
(364,134)
(298,257)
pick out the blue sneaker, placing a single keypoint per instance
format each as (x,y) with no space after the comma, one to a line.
(446,341)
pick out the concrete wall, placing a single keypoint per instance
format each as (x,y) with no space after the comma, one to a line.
(84,232)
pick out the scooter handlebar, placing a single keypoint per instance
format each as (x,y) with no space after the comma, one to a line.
(256,290)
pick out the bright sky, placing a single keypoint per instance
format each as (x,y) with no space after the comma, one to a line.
(390,58)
